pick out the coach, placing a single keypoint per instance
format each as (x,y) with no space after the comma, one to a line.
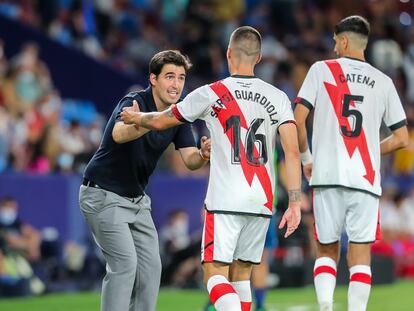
(112,196)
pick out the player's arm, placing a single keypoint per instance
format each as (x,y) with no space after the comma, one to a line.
(195,158)
(395,119)
(150,120)
(397,140)
(301,114)
(289,140)
(123,133)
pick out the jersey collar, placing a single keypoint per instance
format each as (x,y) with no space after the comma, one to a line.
(353,58)
(243,77)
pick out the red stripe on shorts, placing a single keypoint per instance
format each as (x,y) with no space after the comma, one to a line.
(209,237)
(315,234)
(361,277)
(378,233)
(324,269)
(246,306)
(220,290)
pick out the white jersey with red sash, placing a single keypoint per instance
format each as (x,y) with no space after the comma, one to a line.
(350,99)
(243,115)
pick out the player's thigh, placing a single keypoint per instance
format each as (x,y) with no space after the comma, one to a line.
(252,239)
(220,235)
(362,218)
(329,214)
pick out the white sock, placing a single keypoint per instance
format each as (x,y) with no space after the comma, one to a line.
(222,294)
(359,287)
(245,294)
(324,277)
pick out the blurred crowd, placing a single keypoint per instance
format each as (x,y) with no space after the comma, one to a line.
(39,134)
(127,33)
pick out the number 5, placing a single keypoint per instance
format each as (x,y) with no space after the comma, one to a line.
(346,112)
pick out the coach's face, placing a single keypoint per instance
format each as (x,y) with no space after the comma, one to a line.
(168,85)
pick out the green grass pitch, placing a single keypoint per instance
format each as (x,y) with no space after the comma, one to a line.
(396,297)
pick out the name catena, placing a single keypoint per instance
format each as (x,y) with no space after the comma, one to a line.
(355,78)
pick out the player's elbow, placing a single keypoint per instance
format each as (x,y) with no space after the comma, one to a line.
(299,121)
(403,139)
(404,142)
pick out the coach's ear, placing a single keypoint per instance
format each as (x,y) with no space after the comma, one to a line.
(153,79)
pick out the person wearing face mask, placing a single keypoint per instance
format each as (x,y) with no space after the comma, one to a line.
(16,234)
(112,196)
(179,250)
(20,247)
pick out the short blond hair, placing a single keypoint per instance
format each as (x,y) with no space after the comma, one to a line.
(246,43)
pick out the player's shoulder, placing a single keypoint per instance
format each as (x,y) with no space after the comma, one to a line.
(271,89)
(378,73)
(203,91)
(320,64)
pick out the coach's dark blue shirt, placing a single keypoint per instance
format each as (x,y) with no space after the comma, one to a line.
(125,168)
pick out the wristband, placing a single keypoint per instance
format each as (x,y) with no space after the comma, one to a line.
(202,156)
(306,157)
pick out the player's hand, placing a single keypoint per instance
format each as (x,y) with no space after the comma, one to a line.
(205,144)
(291,218)
(307,171)
(129,115)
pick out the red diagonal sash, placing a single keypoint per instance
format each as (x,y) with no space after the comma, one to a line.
(232,109)
(336,94)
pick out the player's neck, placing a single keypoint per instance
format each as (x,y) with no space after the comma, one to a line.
(242,70)
(355,54)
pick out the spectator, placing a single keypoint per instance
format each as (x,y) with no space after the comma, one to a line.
(19,245)
(179,251)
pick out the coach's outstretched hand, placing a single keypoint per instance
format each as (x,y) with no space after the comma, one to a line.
(291,217)
(129,114)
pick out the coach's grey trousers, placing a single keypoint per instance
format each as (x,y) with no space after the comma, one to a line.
(124,230)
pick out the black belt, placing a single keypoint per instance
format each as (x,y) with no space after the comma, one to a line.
(88,183)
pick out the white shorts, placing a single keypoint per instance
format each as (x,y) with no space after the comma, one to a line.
(228,237)
(336,209)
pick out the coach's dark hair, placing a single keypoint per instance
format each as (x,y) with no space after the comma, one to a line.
(168,57)
(355,23)
(247,33)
